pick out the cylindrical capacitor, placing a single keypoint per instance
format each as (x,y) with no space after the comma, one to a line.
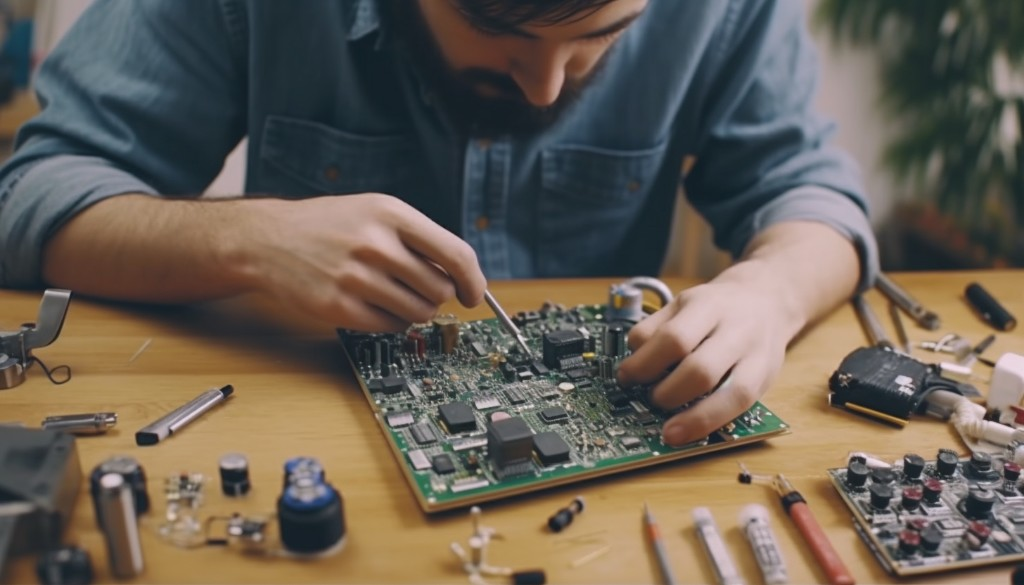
(133,474)
(234,475)
(881,494)
(1011,473)
(946,462)
(932,490)
(856,474)
(911,499)
(120,526)
(913,466)
(931,538)
(978,503)
(298,467)
(910,541)
(615,341)
(68,565)
(311,517)
(883,476)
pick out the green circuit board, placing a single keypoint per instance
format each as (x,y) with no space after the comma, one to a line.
(472,418)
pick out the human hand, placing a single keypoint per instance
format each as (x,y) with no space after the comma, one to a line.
(726,328)
(367,262)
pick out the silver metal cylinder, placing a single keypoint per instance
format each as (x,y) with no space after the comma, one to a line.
(120,526)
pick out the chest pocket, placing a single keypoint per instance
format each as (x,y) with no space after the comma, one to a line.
(300,157)
(591,199)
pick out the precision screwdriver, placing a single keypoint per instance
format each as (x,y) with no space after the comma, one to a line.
(507,323)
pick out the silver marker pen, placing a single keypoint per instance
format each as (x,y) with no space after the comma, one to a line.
(714,546)
(175,420)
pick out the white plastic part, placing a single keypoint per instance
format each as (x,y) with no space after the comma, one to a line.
(1007,385)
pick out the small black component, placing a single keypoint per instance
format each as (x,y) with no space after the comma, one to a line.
(617,398)
(443,464)
(375,385)
(392,384)
(531,577)
(631,442)
(551,448)
(422,433)
(856,474)
(883,475)
(310,517)
(909,542)
(931,538)
(523,317)
(978,503)
(584,383)
(615,341)
(234,474)
(457,417)
(509,441)
(1011,472)
(554,414)
(515,396)
(912,497)
(69,565)
(539,369)
(946,462)
(563,347)
(564,517)
(478,349)
(913,466)
(524,374)
(421,372)
(577,374)
(932,490)
(883,384)
(646,419)
(881,494)
(980,467)
(508,371)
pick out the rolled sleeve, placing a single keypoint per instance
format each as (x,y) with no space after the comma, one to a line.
(36,201)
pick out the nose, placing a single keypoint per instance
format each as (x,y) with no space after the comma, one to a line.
(540,75)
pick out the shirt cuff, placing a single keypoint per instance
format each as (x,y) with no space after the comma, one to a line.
(832,208)
(39,200)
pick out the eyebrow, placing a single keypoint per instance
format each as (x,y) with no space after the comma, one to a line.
(610,29)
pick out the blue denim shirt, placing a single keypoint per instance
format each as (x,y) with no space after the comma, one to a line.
(150,97)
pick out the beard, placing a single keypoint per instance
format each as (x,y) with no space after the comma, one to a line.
(504,110)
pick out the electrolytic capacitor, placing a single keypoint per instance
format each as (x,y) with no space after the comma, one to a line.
(234,475)
(119,525)
(133,474)
(298,467)
(615,341)
(913,466)
(311,517)
(932,490)
(767,553)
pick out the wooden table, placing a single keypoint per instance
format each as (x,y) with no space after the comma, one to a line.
(296,396)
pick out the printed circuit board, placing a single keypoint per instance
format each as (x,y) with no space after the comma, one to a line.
(930,516)
(473,418)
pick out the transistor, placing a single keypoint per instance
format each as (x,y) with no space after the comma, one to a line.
(564,517)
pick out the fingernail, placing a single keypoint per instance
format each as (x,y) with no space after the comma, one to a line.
(674,435)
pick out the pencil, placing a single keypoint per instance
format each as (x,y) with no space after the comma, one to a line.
(659,546)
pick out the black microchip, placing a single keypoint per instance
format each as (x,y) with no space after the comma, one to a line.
(422,433)
(560,345)
(443,464)
(617,398)
(509,441)
(515,396)
(554,414)
(551,448)
(478,349)
(393,384)
(577,374)
(508,371)
(457,417)
(539,369)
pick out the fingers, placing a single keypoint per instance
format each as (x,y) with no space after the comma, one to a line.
(453,255)
(678,335)
(699,373)
(737,394)
(375,287)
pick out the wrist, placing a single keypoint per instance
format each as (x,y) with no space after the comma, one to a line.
(770,282)
(248,222)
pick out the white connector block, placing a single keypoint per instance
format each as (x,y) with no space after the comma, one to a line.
(1007,385)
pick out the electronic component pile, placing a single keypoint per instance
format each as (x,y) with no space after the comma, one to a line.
(472,418)
(930,516)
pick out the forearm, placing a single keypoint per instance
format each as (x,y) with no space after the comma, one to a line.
(808,267)
(145,248)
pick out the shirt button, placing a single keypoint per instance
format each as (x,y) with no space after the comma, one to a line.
(332,173)
(483,143)
(482,223)
(633,186)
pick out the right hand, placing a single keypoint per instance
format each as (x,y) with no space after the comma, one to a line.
(366,262)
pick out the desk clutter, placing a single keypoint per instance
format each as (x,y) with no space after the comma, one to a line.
(478,411)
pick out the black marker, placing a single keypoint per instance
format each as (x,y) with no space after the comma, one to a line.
(989,308)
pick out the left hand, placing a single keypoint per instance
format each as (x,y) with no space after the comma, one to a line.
(727,327)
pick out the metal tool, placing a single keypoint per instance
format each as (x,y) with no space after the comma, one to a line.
(895,293)
(901,331)
(16,346)
(507,323)
(91,423)
(872,326)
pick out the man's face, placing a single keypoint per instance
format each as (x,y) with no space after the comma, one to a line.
(510,82)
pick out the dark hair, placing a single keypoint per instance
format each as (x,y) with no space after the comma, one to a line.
(504,15)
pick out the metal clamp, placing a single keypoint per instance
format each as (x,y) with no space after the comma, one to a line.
(16,346)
